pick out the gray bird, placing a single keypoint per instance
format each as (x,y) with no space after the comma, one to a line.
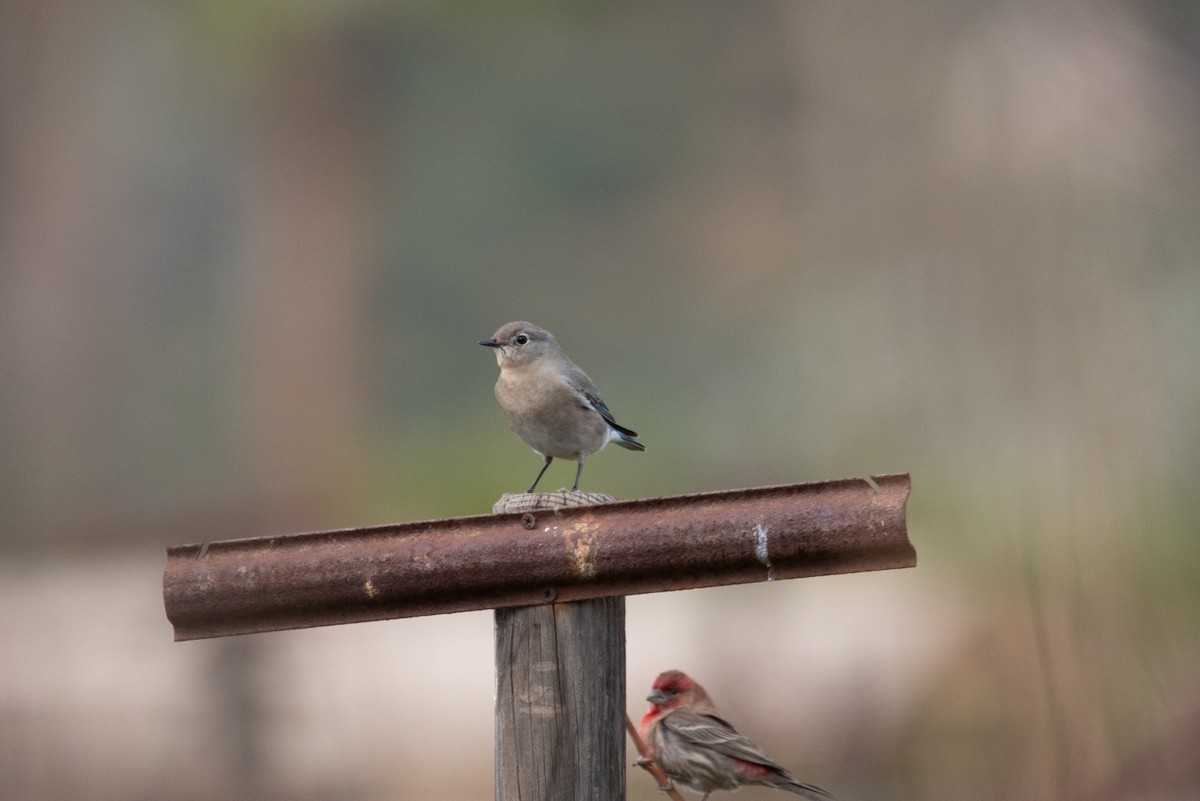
(549,402)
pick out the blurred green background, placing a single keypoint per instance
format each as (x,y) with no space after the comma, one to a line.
(246,251)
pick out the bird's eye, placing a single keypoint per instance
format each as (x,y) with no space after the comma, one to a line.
(520,339)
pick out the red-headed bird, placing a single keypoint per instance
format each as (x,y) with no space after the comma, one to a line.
(700,750)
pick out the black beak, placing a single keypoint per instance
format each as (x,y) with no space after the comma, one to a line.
(489,343)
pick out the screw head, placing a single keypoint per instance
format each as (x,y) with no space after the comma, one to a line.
(528,520)
(549,594)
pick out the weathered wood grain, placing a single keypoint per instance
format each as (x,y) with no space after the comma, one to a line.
(560,701)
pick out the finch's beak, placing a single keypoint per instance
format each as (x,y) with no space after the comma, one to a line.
(657,697)
(489,343)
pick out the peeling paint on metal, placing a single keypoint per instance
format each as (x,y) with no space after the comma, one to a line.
(578,540)
(762,551)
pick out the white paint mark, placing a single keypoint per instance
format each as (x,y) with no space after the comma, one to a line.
(762,548)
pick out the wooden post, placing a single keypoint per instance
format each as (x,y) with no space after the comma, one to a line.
(560,689)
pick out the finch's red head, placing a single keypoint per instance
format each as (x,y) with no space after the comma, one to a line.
(674,689)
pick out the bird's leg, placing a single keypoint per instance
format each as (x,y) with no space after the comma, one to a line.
(548,459)
(578,472)
(644,763)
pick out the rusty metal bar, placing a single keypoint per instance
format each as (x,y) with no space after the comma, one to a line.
(493,561)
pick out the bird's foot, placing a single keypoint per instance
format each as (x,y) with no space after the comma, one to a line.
(645,764)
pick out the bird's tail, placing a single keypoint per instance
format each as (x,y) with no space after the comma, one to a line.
(809,791)
(626,440)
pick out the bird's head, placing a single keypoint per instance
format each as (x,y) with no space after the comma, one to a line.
(520,343)
(674,688)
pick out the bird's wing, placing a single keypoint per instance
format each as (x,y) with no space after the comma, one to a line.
(712,732)
(581,384)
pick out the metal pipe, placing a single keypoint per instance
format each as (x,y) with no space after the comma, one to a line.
(492,561)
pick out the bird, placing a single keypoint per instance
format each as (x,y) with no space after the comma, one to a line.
(701,751)
(549,402)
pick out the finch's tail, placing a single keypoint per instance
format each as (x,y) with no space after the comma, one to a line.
(809,791)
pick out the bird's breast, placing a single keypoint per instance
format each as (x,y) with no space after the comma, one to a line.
(548,415)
